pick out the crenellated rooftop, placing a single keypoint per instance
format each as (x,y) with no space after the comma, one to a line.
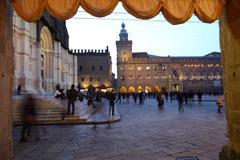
(90,51)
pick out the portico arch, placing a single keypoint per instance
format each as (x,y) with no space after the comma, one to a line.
(148,88)
(139,88)
(46,60)
(131,89)
(123,89)
(156,88)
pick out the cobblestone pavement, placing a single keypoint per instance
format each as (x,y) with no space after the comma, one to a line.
(144,133)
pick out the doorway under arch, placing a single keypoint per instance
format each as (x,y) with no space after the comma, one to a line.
(46,60)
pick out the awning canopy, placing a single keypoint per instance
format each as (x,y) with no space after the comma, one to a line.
(175,11)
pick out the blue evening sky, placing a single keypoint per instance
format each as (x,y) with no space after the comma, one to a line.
(155,36)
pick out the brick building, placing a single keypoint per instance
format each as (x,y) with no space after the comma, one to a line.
(94,68)
(146,72)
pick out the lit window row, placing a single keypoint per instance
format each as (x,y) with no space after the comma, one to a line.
(211,77)
(201,65)
(148,68)
(192,77)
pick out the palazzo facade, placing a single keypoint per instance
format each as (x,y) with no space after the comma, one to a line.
(94,68)
(144,72)
(41,55)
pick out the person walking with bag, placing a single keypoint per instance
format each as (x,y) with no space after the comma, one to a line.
(219,102)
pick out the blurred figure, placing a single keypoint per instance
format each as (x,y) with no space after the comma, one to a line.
(28,117)
(160,100)
(219,102)
(72,97)
(119,97)
(166,96)
(135,97)
(199,95)
(180,101)
(19,89)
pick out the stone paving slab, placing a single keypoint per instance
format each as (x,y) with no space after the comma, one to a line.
(144,133)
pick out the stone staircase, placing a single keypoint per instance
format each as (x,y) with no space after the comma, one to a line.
(53,111)
(47,111)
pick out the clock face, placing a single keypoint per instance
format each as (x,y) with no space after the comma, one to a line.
(139,68)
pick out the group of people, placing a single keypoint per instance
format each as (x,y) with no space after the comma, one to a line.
(161,97)
(91,95)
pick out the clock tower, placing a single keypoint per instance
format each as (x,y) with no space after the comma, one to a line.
(124,46)
(124,56)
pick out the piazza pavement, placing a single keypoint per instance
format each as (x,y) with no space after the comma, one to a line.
(143,133)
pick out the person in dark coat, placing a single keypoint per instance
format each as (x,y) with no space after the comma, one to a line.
(111,98)
(199,95)
(19,89)
(180,101)
(72,97)
(160,100)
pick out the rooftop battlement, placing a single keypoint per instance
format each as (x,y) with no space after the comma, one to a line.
(90,51)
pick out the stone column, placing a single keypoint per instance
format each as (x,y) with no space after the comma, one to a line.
(230,47)
(38,69)
(6,77)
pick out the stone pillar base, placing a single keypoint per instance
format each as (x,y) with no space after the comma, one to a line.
(228,154)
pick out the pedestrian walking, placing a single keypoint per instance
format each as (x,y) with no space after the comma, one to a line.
(135,95)
(219,102)
(111,98)
(199,95)
(180,101)
(160,100)
(166,96)
(19,89)
(72,97)
(28,118)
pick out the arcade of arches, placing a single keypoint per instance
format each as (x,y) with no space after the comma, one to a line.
(207,11)
(147,88)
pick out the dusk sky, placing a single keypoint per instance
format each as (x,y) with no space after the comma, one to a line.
(155,36)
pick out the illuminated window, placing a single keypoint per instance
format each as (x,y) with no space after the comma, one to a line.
(148,68)
(131,77)
(148,77)
(130,68)
(156,77)
(164,67)
(121,68)
(139,68)
(122,78)
(210,77)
